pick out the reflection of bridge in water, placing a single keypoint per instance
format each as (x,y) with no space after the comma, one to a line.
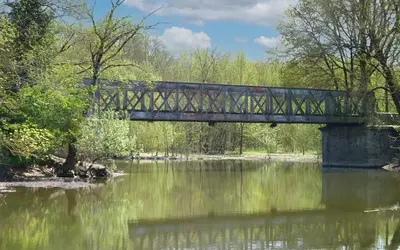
(308,229)
(356,226)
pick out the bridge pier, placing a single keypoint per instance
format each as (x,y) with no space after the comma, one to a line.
(356,146)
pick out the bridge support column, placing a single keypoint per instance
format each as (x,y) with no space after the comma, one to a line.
(356,146)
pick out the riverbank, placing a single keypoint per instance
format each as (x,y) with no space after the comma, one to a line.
(247,156)
(44,177)
(51,169)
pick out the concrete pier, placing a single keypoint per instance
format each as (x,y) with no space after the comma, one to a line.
(357,146)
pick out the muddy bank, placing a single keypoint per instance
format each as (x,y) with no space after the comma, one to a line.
(251,157)
(50,170)
(266,157)
(62,184)
(55,182)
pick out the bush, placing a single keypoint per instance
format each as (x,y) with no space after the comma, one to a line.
(105,136)
(27,140)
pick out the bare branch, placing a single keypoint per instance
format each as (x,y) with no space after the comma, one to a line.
(67,44)
(123,65)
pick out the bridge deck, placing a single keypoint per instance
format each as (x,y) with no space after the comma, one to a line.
(172,101)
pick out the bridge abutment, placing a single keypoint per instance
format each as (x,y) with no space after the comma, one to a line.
(357,146)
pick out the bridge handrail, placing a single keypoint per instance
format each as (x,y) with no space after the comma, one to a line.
(109,83)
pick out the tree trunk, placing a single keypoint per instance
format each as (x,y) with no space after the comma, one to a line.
(390,80)
(71,160)
(70,163)
(396,99)
(241,138)
(365,76)
(386,101)
(395,243)
(201,139)
(394,90)
(189,144)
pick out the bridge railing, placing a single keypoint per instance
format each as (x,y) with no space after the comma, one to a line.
(171,101)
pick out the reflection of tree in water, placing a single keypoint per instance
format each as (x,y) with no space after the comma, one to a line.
(72,202)
(395,242)
(58,219)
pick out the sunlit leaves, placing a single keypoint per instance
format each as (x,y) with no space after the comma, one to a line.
(27,140)
(7,35)
(56,104)
(105,136)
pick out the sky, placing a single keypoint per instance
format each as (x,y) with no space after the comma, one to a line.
(229,25)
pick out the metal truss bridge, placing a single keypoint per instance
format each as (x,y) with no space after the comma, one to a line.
(173,101)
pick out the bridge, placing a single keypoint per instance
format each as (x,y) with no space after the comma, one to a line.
(346,138)
(173,101)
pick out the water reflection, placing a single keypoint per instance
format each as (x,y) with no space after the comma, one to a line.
(348,218)
(304,230)
(359,190)
(210,205)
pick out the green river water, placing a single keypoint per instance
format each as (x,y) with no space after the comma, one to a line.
(210,205)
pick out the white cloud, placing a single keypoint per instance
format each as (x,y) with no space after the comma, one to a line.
(197,22)
(263,12)
(268,42)
(178,40)
(239,39)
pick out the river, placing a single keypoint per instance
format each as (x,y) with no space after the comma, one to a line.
(210,205)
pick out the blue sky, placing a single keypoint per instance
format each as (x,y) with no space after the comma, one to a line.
(229,25)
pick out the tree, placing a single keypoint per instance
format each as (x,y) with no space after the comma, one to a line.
(323,35)
(32,26)
(7,35)
(107,40)
(240,70)
(383,31)
(346,42)
(33,21)
(205,63)
(105,137)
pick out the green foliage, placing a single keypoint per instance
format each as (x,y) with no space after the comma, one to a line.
(7,35)
(105,136)
(32,22)
(7,65)
(31,44)
(56,104)
(27,140)
(44,111)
